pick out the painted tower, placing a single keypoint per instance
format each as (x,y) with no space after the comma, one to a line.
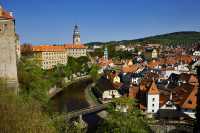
(153,98)
(76,35)
(154,54)
(8,39)
(106,53)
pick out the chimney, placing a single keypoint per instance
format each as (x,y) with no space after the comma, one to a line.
(1,10)
(11,14)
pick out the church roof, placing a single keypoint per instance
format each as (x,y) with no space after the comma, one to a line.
(153,90)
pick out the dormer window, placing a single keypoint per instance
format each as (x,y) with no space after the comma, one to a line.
(190,101)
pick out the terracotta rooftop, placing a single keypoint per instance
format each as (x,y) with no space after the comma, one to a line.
(74,46)
(153,90)
(4,14)
(103,62)
(184,58)
(130,68)
(184,96)
(153,64)
(48,48)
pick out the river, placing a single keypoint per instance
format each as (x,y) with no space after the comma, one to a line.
(73,98)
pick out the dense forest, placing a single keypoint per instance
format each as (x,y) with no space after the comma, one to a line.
(175,38)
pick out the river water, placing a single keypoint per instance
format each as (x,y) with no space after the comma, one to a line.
(73,98)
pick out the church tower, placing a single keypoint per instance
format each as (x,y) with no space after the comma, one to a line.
(153,98)
(105,53)
(76,35)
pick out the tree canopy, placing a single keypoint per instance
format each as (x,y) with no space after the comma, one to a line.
(118,121)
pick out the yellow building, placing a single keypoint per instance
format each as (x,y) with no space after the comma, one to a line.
(49,56)
(154,54)
(76,50)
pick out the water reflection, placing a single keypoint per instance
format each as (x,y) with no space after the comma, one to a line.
(72,97)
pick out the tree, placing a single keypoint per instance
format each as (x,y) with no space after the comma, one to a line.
(22,115)
(32,80)
(118,121)
(26,49)
(74,65)
(94,72)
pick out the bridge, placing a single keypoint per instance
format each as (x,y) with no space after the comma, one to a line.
(89,110)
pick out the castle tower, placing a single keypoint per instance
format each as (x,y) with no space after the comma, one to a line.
(8,38)
(76,35)
(153,98)
(106,53)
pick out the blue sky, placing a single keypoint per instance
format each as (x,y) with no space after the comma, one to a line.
(52,21)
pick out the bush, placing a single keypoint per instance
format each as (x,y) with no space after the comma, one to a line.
(22,116)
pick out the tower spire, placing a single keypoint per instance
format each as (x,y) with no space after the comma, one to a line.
(76,35)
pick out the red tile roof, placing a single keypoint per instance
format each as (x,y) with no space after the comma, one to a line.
(153,90)
(153,64)
(130,68)
(103,62)
(74,46)
(5,14)
(48,48)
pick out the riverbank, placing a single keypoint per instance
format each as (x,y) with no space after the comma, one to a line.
(93,100)
(53,91)
(90,97)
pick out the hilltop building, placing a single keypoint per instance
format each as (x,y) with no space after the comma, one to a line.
(49,56)
(8,44)
(76,49)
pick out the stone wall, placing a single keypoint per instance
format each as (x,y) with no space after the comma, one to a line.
(8,67)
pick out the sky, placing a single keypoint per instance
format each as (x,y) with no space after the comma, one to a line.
(52,21)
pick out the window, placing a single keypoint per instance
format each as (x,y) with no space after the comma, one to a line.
(190,101)
(152,105)
(5,26)
(153,99)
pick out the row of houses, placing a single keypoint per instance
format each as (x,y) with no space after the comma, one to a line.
(158,89)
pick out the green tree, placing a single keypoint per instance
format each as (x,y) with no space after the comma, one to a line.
(33,82)
(19,115)
(74,65)
(94,72)
(117,121)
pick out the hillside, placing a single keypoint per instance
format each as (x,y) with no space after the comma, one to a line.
(175,38)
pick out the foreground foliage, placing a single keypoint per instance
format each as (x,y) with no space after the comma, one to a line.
(22,115)
(118,121)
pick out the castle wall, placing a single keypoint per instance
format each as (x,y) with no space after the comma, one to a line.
(8,67)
